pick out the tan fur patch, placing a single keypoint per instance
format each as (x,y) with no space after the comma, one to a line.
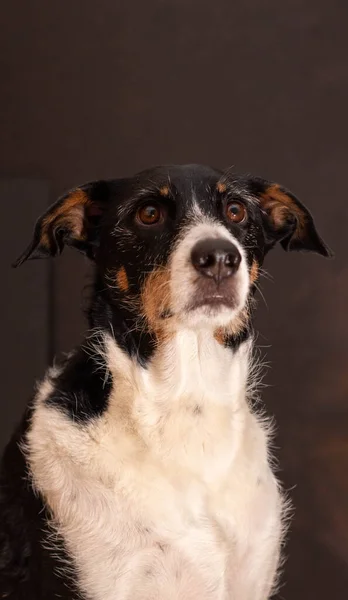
(219,335)
(254,271)
(155,298)
(122,279)
(221,187)
(278,204)
(77,198)
(164,191)
(234,328)
(70,213)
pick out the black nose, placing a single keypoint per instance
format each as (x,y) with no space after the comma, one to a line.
(217,258)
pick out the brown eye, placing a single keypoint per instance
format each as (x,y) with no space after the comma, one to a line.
(236,212)
(149,214)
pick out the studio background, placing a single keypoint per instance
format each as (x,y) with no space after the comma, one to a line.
(104,89)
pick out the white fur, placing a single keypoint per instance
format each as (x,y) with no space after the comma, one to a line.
(168,495)
(157,499)
(183,276)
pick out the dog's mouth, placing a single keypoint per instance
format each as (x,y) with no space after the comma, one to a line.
(213,297)
(214,302)
(207,306)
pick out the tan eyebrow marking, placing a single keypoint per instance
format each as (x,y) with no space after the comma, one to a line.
(164,190)
(221,187)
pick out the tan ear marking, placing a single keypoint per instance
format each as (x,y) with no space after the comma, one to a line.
(75,199)
(287,220)
(70,213)
(278,203)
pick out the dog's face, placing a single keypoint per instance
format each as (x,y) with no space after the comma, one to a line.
(178,246)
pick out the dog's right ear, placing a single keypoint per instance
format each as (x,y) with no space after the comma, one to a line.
(73,220)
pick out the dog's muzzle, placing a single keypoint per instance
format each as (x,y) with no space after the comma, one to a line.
(216,262)
(209,276)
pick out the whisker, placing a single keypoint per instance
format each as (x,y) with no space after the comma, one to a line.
(266,274)
(260,292)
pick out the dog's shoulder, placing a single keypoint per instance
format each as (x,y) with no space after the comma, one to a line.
(80,384)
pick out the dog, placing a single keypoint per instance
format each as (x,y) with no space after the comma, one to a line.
(141,469)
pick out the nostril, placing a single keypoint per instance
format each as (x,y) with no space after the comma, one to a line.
(232,260)
(206,261)
(202,259)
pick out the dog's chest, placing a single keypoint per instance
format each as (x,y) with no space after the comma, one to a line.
(176,503)
(141,528)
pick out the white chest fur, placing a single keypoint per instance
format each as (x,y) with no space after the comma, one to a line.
(168,495)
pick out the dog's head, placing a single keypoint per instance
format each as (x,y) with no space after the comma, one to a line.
(178,246)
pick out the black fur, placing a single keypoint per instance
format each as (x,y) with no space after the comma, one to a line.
(111,236)
(82,389)
(28,570)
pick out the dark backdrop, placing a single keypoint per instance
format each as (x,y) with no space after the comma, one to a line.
(103,89)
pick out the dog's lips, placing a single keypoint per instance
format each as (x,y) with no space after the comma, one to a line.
(215,301)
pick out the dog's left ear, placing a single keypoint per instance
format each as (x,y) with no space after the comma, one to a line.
(286,219)
(72,220)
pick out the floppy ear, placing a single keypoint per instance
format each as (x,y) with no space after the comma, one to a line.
(72,220)
(286,219)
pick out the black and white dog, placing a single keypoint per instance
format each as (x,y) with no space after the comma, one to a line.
(141,470)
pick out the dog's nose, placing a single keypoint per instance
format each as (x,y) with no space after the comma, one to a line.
(216,258)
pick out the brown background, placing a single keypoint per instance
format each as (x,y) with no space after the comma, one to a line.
(94,89)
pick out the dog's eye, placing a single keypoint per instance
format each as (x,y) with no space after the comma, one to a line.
(236,212)
(149,214)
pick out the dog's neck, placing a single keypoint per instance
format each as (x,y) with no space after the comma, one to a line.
(188,374)
(119,364)
(190,362)
(189,404)
(140,342)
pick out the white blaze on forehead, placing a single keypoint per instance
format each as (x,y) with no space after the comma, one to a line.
(204,227)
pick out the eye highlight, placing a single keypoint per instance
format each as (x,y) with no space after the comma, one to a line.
(236,212)
(149,214)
